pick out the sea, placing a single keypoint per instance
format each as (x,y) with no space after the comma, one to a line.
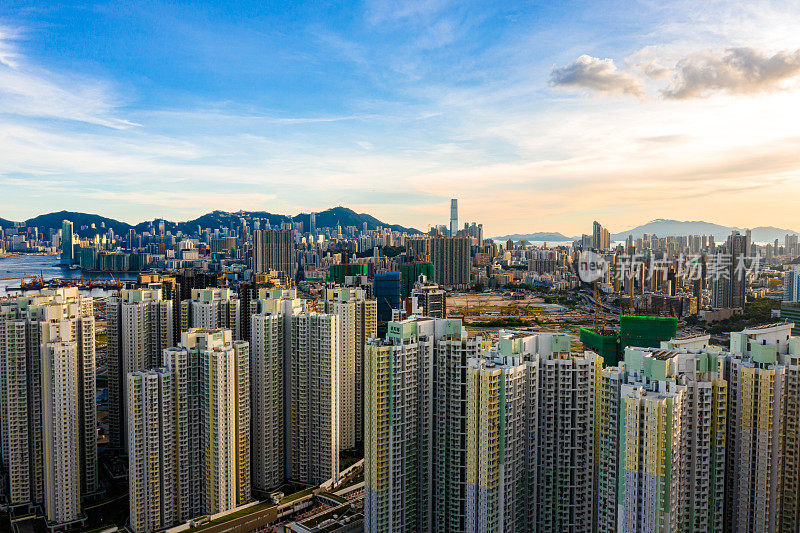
(47,266)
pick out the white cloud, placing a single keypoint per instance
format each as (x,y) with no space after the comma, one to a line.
(737,71)
(598,75)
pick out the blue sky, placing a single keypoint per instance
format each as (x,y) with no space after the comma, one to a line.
(537,116)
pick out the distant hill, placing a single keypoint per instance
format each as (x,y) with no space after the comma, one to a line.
(541,236)
(54,220)
(347,217)
(324,219)
(662,227)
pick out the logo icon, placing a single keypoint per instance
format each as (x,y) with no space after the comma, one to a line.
(591,266)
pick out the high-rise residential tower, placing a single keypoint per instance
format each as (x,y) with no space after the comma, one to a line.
(270,352)
(791,285)
(453,217)
(451,261)
(189,445)
(225,417)
(274,250)
(357,324)
(457,442)
(295,392)
(154,457)
(498,411)
(673,402)
(429,298)
(562,498)
(763,459)
(314,390)
(48,418)
(140,328)
(402,420)
(212,308)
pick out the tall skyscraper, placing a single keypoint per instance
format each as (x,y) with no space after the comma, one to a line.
(673,401)
(154,456)
(312,223)
(67,242)
(314,392)
(729,281)
(267,390)
(270,354)
(790,247)
(739,249)
(295,393)
(721,282)
(457,442)
(601,238)
(401,459)
(189,433)
(791,284)
(225,417)
(357,324)
(596,234)
(763,459)
(140,327)
(608,409)
(451,261)
(563,464)
(47,392)
(274,250)
(453,217)
(449,444)
(212,309)
(499,408)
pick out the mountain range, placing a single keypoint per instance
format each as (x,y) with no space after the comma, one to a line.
(344,216)
(329,218)
(547,236)
(663,227)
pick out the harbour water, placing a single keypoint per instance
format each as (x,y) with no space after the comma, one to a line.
(47,266)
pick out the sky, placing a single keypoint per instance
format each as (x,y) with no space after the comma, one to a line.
(537,116)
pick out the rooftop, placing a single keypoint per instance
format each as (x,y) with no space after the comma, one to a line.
(690,337)
(663,355)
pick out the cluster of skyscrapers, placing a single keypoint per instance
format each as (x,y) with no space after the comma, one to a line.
(205,418)
(219,397)
(211,419)
(48,407)
(529,436)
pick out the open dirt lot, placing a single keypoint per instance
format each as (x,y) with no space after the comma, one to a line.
(490,301)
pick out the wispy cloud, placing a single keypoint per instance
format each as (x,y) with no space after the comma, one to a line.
(30,91)
(8,53)
(382,11)
(184,202)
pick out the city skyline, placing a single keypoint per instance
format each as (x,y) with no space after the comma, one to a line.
(245,368)
(533,117)
(399,266)
(657,226)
